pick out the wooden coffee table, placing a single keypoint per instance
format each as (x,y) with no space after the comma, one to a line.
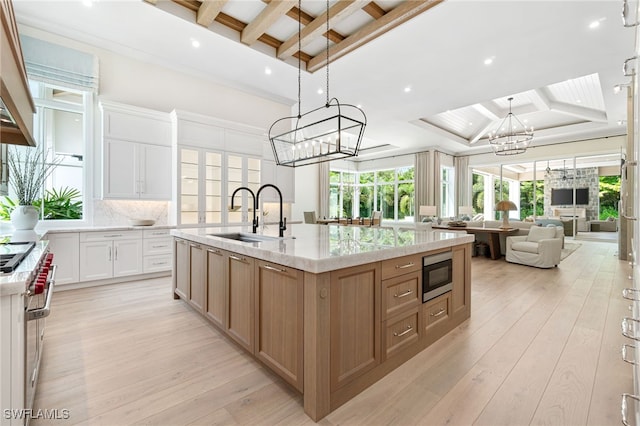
(493,235)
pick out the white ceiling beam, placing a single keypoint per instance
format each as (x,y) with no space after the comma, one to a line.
(579,112)
(208,11)
(440,131)
(481,133)
(340,10)
(400,14)
(540,99)
(269,15)
(488,109)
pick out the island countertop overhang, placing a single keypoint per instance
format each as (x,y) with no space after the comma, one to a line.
(323,248)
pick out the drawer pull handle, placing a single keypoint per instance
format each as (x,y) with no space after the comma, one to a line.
(624,354)
(628,329)
(159,246)
(631,294)
(113,236)
(240,259)
(437,314)
(626,396)
(218,252)
(408,330)
(197,246)
(406,293)
(271,268)
(408,265)
(159,263)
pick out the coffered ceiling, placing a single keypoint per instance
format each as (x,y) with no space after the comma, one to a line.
(429,75)
(281,25)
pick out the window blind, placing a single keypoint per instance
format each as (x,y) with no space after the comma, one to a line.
(60,65)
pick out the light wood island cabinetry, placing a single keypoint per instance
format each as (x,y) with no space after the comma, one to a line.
(329,334)
(240,300)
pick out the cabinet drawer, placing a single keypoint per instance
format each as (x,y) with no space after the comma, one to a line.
(157,246)
(109,235)
(436,311)
(401,293)
(285,271)
(155,233)
(401,265)
(160,262)
(401,332)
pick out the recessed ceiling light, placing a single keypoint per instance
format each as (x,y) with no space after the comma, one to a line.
(407,89)
(87,3)
(488,61)
(195,43)
(594,24)
(320,91)
(470,123)
(578,101)
(267,70)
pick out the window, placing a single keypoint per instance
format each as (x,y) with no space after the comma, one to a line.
(359,194)
(477,193)
(61,126)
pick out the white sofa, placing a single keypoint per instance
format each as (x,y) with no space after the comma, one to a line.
(541,248)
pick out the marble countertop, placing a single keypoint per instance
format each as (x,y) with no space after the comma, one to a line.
(15,282)
(101,228)
(322,248)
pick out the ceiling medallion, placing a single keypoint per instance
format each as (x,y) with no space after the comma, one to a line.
(322,134)
(511,137)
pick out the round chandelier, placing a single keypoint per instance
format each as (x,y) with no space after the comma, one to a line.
(511,137)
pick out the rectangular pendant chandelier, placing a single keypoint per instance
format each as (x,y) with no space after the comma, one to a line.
(320,135)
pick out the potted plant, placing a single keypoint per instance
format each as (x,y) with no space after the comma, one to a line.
(28,171)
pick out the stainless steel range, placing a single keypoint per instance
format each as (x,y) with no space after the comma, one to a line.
(27,279)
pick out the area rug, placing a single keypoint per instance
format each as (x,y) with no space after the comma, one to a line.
(568,249)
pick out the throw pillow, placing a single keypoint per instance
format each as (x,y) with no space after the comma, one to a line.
(537,233)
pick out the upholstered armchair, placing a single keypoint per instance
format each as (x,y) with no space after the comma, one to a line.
(541,248)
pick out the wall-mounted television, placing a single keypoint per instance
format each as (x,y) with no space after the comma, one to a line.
(564,196)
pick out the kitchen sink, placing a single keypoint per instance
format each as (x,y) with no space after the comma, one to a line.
(246,237)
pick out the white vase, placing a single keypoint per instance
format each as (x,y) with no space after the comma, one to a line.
(24,217)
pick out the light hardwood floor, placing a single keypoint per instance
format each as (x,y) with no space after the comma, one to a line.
(541,347)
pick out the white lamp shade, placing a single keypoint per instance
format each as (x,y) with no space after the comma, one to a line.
(428,210)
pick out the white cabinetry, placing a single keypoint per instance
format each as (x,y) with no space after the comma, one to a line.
(110,254)
(65,247)
(214,157)
(136,153)
(136,170)
(157,250)
(280,176)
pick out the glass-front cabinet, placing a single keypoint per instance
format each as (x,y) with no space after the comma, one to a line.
(203,189)
(200,187)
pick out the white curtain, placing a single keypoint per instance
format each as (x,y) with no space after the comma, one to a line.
(463,182)
(422,180)
(437,181)
(323,178)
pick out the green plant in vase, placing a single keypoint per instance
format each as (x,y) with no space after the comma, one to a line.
(28,172)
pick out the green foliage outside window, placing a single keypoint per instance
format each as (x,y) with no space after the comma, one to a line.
(477,193)
(526,198)
(61,204)
(609,196)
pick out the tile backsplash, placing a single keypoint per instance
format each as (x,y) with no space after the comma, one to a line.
(118,212)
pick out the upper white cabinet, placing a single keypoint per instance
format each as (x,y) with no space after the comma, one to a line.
(213,158)
(136,153)
(280,176)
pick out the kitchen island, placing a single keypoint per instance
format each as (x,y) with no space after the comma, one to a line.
(329,309)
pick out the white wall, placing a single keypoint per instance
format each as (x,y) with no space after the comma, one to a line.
(307,191)
(130,81)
